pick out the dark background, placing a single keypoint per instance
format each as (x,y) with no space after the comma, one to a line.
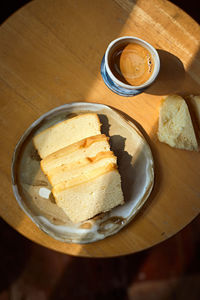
(192,7)
(167,271)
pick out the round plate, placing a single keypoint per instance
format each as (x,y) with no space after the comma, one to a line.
(114,87)
(33,191)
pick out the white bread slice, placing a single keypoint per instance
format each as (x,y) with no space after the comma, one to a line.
(67,132)
(195,101)
(83,178)
(88,196)
(175,124)
(80,167)
(87,147)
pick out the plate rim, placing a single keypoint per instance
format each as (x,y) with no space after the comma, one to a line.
(23,137)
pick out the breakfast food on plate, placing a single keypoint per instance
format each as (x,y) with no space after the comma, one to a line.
(87,147)
(66,133)
(81,167)
(195,102)
(175,124)
(78,162)
(88,196)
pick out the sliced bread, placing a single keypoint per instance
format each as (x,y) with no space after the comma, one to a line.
(67,132)
(80,167)
(87,196)
(88,147)
(175,124)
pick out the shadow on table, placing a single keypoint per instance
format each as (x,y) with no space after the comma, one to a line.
(14,253)
(173,78)
(117,278)
(170,77)
(30,270)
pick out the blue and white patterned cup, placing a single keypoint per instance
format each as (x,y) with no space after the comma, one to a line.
(117,86)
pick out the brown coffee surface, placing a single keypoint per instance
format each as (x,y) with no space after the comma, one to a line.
(132,64)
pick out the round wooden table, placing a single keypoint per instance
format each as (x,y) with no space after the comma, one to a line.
(51,52)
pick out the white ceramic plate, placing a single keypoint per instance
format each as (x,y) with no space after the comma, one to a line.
(33,192)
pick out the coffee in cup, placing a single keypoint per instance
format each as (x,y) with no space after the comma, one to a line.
(131,63)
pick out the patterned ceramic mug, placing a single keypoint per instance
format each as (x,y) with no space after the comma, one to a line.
(130,64)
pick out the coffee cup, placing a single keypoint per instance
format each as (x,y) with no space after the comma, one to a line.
(130,65)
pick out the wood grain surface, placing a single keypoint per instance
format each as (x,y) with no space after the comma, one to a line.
(50,54)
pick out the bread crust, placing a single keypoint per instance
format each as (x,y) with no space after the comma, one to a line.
(82,144)
(40,140)
(83,179)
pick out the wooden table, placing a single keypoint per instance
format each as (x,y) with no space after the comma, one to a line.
(50,54)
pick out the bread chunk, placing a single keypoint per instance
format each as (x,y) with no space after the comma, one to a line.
(88,196)
(175,124)
(86,148)
(65,133)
